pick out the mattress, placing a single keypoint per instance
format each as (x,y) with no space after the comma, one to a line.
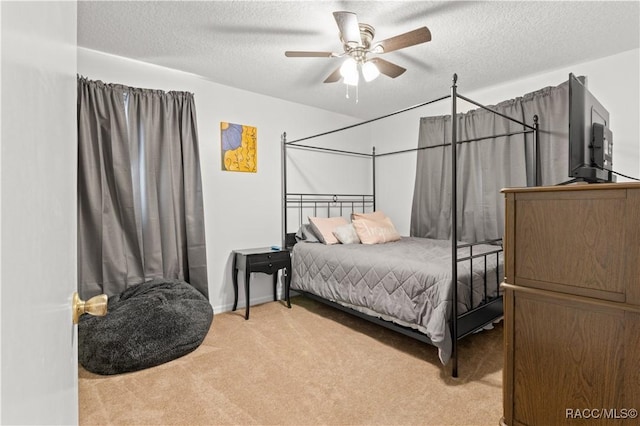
(407,282)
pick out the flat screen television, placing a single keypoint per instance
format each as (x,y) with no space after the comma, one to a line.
(590,139)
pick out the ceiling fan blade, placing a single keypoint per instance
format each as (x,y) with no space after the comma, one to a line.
(302,54)
(334,76)
(349,28)
(421,35)
(388,68)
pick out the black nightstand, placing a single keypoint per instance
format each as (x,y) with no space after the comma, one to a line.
(265,260)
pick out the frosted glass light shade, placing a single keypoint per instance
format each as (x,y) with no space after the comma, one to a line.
(369,71)
(349,72)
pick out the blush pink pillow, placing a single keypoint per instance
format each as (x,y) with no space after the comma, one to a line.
(323,227)
(377,215)
(375,231)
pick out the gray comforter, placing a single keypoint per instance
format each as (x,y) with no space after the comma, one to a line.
(407,281)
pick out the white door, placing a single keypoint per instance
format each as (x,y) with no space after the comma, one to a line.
(38,213)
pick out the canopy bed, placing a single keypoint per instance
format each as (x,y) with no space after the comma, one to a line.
(404,284)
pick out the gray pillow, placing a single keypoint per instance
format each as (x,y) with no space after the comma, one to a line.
(305,233)
(146,325)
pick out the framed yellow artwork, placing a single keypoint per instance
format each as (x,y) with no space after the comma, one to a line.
(239,147)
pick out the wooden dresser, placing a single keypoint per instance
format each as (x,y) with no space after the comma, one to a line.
(572,305)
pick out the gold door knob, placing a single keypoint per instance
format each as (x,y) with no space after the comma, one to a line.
(97,306)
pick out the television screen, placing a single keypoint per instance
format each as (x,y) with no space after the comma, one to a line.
(590,139)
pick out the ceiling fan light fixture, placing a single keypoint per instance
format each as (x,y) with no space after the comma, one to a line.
(369,71)
(349,72)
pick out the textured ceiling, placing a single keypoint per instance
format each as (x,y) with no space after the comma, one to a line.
(242,43)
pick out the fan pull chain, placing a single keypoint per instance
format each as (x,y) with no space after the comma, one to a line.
(347,90)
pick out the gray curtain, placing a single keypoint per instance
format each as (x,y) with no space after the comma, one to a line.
(488,165)
(140,210)
(551,104)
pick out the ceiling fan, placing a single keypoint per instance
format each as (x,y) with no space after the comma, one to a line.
(357,42)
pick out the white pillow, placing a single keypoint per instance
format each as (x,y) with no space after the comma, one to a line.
(346,234)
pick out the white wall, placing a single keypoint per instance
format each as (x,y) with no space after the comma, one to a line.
(38,215)
(614,80)
(242,210)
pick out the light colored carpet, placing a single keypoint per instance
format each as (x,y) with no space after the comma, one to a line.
(308,365)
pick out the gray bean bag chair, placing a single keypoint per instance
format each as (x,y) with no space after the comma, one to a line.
(146,325)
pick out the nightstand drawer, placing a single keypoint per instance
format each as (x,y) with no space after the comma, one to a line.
(268,268)
(275,259)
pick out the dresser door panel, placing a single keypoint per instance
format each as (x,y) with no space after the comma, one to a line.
(567,355)
(571,246)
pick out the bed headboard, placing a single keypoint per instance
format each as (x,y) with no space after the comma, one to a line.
(299,206)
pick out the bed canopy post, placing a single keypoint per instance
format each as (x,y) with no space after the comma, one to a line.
(536,148)
(283,142)
(454,230)
(373,162)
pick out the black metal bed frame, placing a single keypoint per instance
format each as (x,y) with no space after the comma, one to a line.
(461,325)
